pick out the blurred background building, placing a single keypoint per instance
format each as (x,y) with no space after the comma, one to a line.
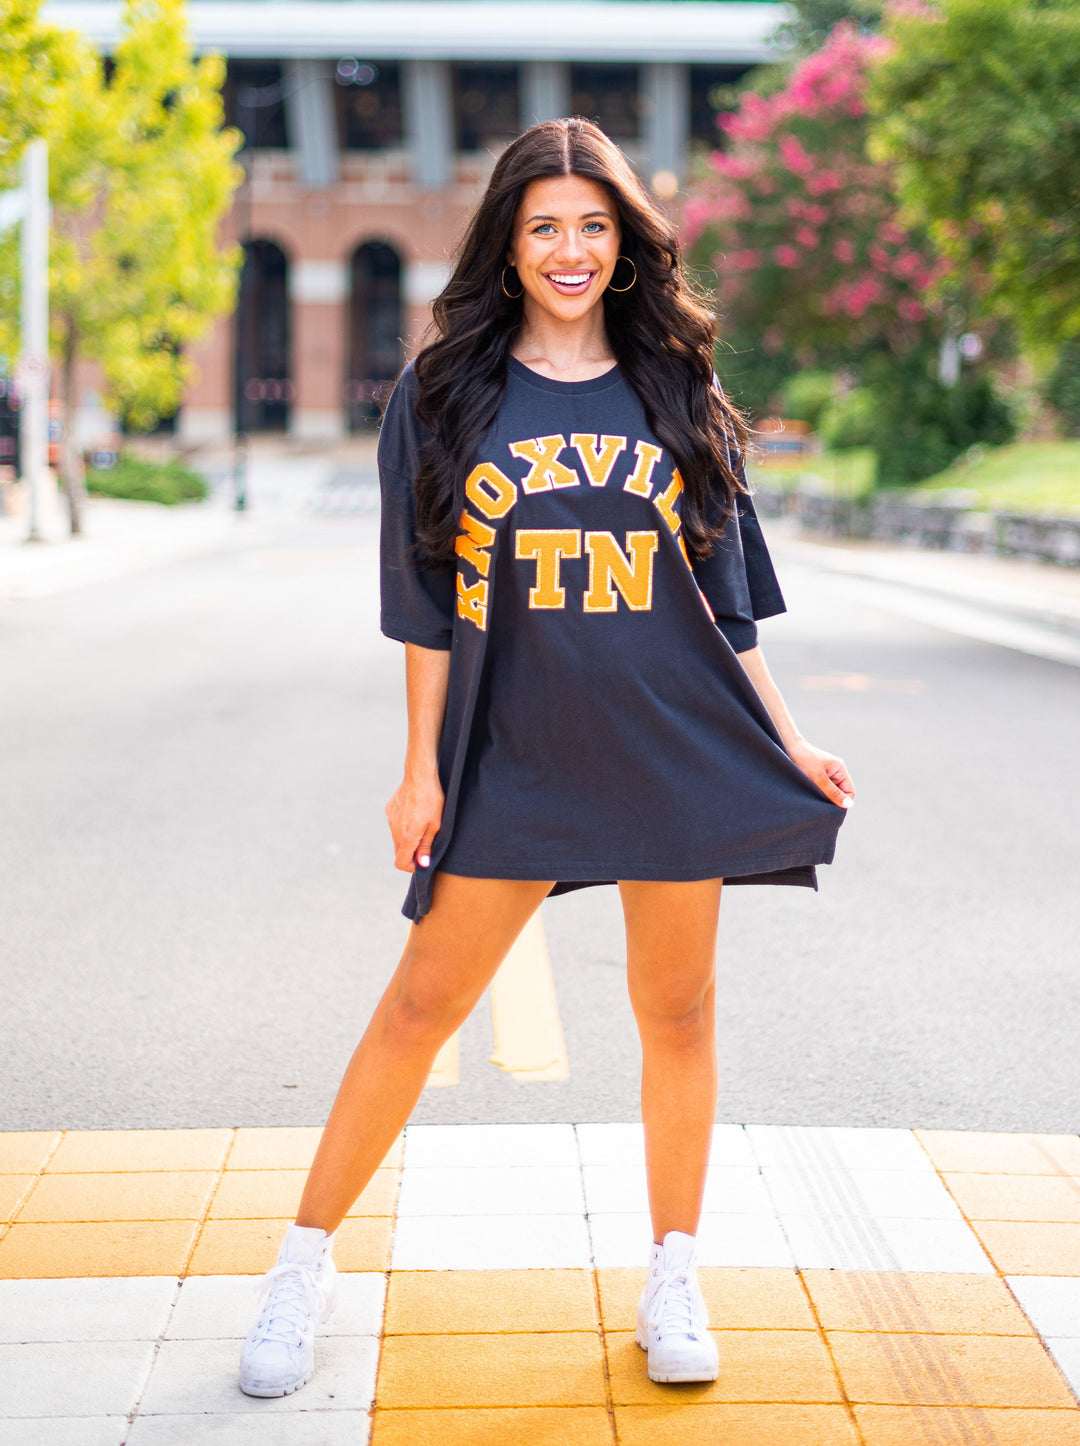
(370,130)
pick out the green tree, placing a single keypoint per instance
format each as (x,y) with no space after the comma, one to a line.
(977,105)
(813,21)
(142,175)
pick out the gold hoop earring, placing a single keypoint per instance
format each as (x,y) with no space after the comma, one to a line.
(513,295)
(632,284)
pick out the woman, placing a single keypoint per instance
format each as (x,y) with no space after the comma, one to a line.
(574,566)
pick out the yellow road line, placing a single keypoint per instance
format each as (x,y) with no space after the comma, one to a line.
(445,1069)
(529,1043)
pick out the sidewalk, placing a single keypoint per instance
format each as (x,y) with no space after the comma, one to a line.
(868,1287)
(1031,606)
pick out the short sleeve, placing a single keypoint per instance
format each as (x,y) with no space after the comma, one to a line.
(417,601)
(738,580)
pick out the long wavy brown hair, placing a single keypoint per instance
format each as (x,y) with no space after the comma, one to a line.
(661,331)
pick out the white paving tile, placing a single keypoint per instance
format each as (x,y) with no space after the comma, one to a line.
(196,1377)
(625,1145)
(728,1240)
(1050,1302)
(65,1431)
(297,1428)
(217,1307)
(491,1242)
(814,1190)
(858,1149)
(95,1378)
(821,1242)
(490,1190)
(429,1145)
(85,1310)
(1066,1352)
(619,1189)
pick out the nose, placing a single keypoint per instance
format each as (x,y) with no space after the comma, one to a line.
(572,248)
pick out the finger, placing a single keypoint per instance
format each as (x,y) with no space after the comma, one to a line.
(841,778)
(422,853)
(832,793)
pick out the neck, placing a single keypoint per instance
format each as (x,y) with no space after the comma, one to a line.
(571,351)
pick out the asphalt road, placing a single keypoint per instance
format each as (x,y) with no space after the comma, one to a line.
(199,910)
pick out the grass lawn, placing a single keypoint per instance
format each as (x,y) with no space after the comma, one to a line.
(1022,477)
(842,474)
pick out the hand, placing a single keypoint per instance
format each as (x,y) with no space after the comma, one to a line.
(826,770)
(415,816)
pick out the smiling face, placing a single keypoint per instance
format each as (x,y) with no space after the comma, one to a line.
(565,244)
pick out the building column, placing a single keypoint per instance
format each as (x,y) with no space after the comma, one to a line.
(311,120)
(318,291)
(429,121)
(545,91)
(421,284)
(667,125)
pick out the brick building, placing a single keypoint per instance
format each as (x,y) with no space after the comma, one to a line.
(370,131)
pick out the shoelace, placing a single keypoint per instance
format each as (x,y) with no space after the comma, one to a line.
(287,1294)
(671,1309)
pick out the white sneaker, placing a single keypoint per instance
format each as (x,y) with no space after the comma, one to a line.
(295,1297)
(672,1323)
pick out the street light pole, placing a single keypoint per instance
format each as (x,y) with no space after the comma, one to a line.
(34,319)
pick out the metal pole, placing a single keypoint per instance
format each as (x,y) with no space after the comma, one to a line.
(34,361)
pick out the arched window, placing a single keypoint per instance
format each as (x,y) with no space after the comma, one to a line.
(375,349)
(264,387)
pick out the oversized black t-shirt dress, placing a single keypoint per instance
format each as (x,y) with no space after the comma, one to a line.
(599,725)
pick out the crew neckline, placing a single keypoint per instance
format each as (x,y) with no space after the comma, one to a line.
(548,384)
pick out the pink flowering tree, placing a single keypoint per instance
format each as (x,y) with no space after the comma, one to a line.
(801,228)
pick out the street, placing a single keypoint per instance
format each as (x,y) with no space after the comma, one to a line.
(200,908)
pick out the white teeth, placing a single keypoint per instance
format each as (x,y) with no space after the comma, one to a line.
(565,279)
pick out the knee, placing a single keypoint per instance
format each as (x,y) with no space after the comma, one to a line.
(680,1021)
(425,1011)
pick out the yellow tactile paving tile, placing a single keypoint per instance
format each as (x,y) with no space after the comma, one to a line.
(87,1151)
(250,1247)
(472,1302)
(1031,1247)
(551,1369)
(138,1195)
(13,1191)
(863,1300)
(284,1147)
(274,1194)
(728,1424)
(1016,1197)
(986,1152)
(792,1366)
(508,1426)
(947,1370)
(738,1299)
(959,1426)
(24,1152)
(96,1248)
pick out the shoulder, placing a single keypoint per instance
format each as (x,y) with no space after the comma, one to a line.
(401,437)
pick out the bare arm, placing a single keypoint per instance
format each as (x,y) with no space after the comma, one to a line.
(822,768)
(415,811)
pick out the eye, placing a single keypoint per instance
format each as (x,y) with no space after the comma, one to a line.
(543,228)
(594,226)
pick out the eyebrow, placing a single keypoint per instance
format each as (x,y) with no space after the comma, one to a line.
(585,216)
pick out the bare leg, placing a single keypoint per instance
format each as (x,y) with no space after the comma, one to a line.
(448,962)
(671,949)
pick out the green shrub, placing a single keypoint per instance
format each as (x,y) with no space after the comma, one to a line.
(140,481)
(849,421)
(921,427)
(1063,386)
(807,395)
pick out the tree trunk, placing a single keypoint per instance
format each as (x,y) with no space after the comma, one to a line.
(72,476)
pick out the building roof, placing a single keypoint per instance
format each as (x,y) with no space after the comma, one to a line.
(706,32)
